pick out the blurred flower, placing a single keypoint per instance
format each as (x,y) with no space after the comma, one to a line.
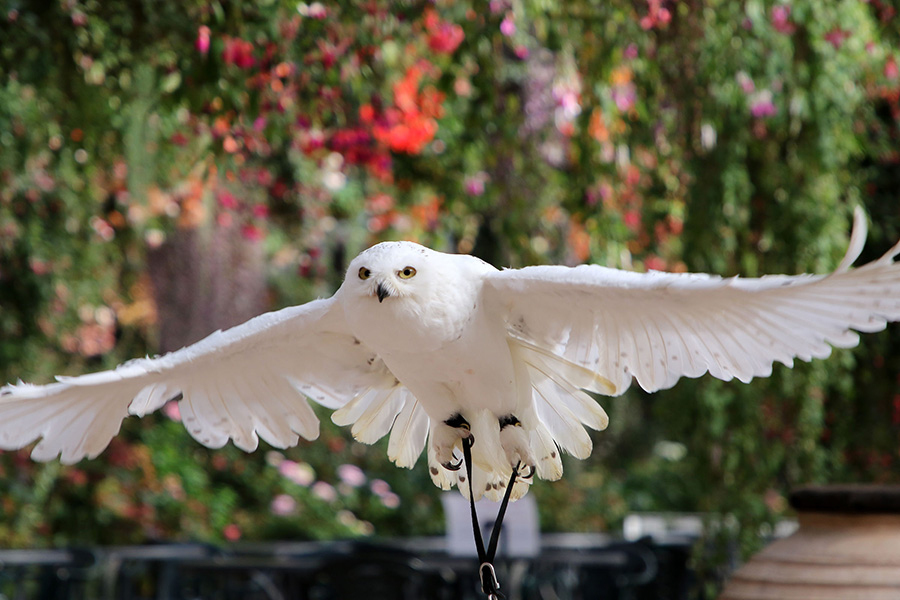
(624,95)
(890,68)
(333,180)
(656,16)
(202,42)
(299,473)
(232,532)
(745,82)
(836,37)
(380,487)
(324,491)
(390,500)
(411,124)
(227,200)
(172,410)
(317,10)
(252,233)
(508,25)
(707,136)
(443,37)
(498,6)
(283,505)
(631,51)
(351,475)
(238,52)
(632,219)
(781,19)
(761,104)
(474,184)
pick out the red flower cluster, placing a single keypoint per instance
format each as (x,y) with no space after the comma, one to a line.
(658,15)
(238,52)
(443,37)
(409,125)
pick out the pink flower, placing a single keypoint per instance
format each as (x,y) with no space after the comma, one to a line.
(890,68)
(761,105)
(299,473)
(351,475)
(836,37)
(508,25)
(172,410)
(324,491)
(781,19)
(631,51)
(227,200)
(390,500)
(443,37)
(232,532)
(625,96)
(474,185)
(317,10)
(283,505)
(380,487)
(202,42)
(745,82)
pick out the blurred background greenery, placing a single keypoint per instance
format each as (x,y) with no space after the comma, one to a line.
(172,167)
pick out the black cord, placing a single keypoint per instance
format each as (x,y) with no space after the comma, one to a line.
(489,583)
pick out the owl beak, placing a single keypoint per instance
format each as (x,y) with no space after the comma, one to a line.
(382,292)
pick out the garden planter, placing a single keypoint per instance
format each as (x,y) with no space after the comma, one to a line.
(847,546)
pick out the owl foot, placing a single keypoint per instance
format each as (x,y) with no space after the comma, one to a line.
(514,440)
(445,438)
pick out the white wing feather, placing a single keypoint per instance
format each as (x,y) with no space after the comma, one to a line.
(247,382)
(658,327)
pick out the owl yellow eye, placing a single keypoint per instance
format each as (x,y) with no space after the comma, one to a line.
(364,273)
(406,273)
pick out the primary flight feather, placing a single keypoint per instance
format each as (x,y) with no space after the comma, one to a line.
(430,348)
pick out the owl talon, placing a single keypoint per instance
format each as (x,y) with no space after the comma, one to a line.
(531,472)
(453,466)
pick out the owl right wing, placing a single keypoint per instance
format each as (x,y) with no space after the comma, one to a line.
(243,383)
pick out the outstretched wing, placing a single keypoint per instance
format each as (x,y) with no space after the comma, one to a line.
(247,382)
(657,327)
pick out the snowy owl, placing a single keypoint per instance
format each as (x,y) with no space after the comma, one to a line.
(433,348)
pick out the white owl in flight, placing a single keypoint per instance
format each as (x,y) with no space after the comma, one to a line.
(431,348)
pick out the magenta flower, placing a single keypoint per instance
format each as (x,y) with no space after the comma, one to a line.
(761,104)
(781,19)
(202,42)
(625,96)
(508,26)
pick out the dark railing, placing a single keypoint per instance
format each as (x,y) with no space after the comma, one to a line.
(566,568)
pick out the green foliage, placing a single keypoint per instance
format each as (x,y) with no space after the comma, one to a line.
(711,135)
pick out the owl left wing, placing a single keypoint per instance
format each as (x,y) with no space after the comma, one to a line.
(243,383)
(657,327)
